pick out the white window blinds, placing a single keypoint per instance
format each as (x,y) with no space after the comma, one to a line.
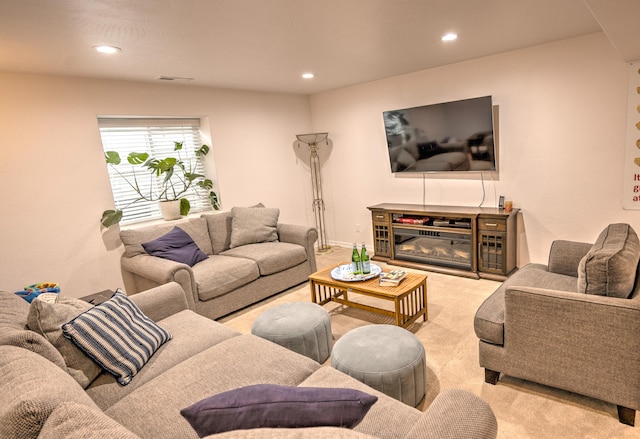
(156,137)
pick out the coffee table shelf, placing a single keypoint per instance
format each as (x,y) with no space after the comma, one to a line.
(409,299)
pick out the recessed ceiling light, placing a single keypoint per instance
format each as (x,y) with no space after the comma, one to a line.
(108,49)
(308,75)
(451,36)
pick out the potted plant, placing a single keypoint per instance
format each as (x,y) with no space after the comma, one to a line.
(179,177)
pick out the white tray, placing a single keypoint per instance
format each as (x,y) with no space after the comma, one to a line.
(345,273)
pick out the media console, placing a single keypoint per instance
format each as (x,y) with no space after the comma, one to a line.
(467,241)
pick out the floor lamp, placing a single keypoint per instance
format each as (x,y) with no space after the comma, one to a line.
(312,140)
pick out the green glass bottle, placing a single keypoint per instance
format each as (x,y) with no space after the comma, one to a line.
(365,262)
(355,260)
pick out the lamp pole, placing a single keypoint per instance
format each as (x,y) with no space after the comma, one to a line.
(316,186)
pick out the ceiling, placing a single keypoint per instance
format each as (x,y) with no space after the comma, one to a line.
(267,44)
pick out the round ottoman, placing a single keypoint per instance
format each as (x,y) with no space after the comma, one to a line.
(302,327)
(386,357)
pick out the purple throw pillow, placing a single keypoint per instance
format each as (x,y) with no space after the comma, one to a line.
(176,245)
(275,406)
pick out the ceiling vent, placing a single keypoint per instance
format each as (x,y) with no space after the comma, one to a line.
(175,78)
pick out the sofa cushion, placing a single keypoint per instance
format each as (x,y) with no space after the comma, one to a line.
(30,389)
(275,406)
(154,410)
(117,335)
(14,330)
(220,225)
(71,420)
(175,245)
(220,274)
(47,320)
(195,227)
(106,391)
(489,319)
(31,340)
(14,311)
(387,418)
(271,257)
(609,269)
(251,225)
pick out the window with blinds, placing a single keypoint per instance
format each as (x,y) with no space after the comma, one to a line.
(156,137)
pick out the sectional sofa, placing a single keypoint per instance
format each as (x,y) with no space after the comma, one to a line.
(51,389)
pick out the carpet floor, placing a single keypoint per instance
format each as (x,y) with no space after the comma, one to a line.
(523,409)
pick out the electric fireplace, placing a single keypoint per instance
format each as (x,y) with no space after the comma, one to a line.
(445,248)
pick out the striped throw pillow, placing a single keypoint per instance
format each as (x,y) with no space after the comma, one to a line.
(117,335)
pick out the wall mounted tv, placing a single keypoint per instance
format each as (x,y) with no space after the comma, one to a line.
(450,136)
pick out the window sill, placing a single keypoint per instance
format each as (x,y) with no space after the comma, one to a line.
(154,222)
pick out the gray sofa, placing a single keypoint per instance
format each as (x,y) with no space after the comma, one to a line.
(250,256)
(39,397)
(572,324)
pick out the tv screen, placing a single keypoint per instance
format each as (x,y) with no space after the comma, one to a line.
(444,137)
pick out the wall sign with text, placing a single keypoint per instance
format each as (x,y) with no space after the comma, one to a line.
(631,191)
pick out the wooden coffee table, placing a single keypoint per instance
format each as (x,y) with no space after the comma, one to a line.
(409,298)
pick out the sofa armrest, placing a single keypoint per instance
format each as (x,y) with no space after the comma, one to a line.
(163,271)
(305,236)
(582,343)
(565,256)
(456,413)
(161,302)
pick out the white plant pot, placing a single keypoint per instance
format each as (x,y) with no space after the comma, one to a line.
(170,210)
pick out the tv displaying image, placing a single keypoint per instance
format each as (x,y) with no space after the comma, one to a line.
(450,136)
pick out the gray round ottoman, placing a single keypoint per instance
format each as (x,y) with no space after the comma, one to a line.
(386,357)
(302,327)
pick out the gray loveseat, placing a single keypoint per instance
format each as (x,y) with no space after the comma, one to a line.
(40,398)
(250,256)
(572,324)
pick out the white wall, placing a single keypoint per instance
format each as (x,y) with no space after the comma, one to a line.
(54,180)
(562,113)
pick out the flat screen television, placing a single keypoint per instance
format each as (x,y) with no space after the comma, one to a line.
(452,136)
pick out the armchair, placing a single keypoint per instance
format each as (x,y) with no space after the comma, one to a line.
(562,325)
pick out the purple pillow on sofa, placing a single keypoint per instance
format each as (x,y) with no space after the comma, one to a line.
(275,406)
(176,245)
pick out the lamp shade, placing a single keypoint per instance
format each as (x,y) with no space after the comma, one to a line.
(312,138)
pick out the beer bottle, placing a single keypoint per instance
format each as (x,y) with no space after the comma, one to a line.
(364,260)
(355,260)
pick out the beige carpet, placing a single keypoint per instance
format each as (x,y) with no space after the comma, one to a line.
(523,409)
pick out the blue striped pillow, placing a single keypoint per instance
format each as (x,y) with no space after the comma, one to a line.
(117,335)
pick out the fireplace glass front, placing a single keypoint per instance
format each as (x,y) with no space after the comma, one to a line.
(448,249)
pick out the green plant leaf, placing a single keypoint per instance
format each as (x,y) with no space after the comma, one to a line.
(137,158)
(153,165)
(205,184)
(213,198)
(178,178)
(191,176)
(112,157)
(111,217)
(185,206)
(203,150)
(166,164)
